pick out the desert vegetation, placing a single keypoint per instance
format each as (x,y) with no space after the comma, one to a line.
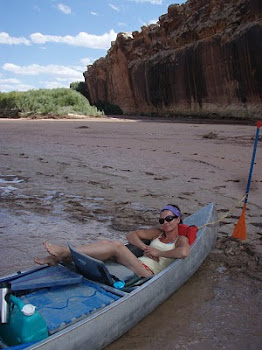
(106,107)
(53,102)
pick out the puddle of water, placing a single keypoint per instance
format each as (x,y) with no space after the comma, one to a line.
(139,206)
(8,179)
(6,191)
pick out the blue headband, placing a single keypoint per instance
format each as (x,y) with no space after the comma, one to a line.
(174,210)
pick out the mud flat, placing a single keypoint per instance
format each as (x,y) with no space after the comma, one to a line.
(82,180)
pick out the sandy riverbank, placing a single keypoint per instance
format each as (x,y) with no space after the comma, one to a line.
(81,180)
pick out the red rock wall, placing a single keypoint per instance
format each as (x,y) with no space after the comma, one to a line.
(202,57)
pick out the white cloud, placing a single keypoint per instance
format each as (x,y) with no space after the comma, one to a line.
(52,85)
(114,7)
(153,21)
(64,8)
(51,69)
(24,87)
(79,68)
(82,39)
(94,13)
(9,81)
(62,80)
(153,2)
(87,61)
(52,76)
(13,85)
(5,38)
(56,84)
(36,76)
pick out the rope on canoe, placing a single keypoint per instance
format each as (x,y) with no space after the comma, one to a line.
(224,216)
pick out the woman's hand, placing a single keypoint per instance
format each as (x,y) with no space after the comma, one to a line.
(152,253)
(136,237)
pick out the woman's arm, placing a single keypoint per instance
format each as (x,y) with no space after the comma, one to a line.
(181,250)
(136,237)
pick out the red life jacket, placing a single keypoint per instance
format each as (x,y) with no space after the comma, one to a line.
(189,231)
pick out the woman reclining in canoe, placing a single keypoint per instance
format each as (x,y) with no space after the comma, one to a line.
(166,245)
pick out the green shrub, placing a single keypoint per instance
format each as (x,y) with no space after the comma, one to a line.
(105,107)
(8,100)
(59,101)
(80,86)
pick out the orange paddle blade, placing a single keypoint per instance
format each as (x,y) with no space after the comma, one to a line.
(240,228)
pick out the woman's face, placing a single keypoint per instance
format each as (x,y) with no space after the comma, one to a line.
(170,220)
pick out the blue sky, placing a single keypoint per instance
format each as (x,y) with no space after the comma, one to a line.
(48,43)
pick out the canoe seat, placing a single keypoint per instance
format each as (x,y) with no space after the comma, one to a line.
(107,272)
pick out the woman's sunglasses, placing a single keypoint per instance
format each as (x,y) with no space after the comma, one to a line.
(168,218)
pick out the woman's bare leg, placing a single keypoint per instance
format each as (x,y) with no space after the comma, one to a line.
(125,257)
(102,250)
(105,250)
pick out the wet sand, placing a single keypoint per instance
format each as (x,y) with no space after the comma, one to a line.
(82,180)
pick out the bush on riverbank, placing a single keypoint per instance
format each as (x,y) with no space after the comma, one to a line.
(80,86)
(106,107)
(59,101)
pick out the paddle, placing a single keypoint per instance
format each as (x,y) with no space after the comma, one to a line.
(240,228)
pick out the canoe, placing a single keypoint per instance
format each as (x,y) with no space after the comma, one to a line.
(105,312)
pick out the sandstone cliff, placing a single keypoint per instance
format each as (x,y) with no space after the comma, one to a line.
(203,57)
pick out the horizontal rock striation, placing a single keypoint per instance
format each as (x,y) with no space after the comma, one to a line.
(202,58)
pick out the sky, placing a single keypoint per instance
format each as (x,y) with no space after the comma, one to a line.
(45,44)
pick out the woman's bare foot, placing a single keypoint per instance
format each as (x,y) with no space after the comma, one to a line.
(57,251)
(50,260)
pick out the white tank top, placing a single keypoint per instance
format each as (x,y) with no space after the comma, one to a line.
(158,266)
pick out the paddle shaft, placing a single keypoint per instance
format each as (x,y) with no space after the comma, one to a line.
(252,161)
